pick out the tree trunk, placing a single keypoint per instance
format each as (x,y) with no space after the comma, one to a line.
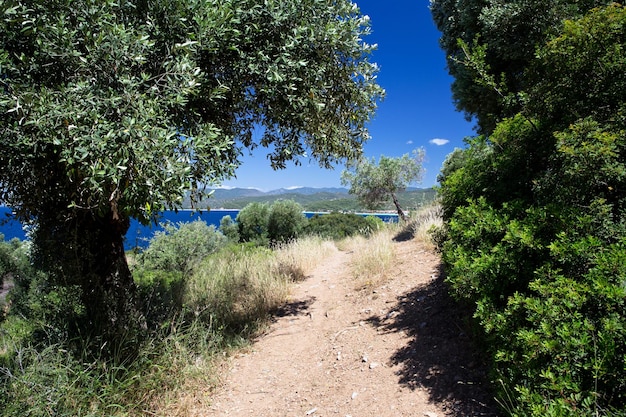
(397,204)
(85,255)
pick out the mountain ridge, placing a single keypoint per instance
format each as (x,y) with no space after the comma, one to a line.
(311,198)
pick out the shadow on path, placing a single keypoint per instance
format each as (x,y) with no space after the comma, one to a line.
(294,308)
(440,355)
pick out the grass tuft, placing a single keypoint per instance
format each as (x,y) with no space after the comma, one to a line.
(303,255)
(373,257)
(424,221)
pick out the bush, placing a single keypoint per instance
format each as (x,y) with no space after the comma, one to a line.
(181,247)
(340,225)
(160,294)
(229,228)
(285,221)
(252,223)
(536,232)
(14,264)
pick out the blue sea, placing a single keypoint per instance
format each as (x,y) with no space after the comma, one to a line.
(139,235)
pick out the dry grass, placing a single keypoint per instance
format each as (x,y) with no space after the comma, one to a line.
(238,287)
(423,222)
(373,257)
(242,286)
(303,255)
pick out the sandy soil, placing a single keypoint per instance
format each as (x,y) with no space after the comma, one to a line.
(400,349)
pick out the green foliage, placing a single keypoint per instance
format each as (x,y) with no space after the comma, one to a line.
(340,225)
(161,294)
(116,110)
(105,88)
(179,248)
(580,72)
(14,264)
(252,222)
(374,224)
(498,43)
(285,221)
(229,228)
(45,310)
(167,263)
(535,225)
(265,224)
(374,183)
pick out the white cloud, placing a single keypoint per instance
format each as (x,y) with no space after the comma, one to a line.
(410,142)
(438,142)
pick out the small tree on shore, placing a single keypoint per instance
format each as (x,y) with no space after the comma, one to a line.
(375,184)
(285,221)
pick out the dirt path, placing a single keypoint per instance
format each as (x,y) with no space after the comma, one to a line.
(395,350)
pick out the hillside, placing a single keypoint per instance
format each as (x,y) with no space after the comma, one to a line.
(312,199)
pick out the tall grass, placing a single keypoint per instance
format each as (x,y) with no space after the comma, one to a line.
(424,221)
(303,255)
(224,301)
(242,284)
(373,256)
(237,288)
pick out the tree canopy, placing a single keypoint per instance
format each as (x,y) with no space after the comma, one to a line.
(374,184)
(112,110)
(489,46)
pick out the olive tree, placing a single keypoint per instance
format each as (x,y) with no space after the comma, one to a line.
(285,221)
(375,184)
(114,110)
(252,223)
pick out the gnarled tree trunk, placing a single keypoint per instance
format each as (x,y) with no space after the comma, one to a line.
(85,253)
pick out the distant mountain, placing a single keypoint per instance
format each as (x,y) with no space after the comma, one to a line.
(308,190)
(226,193)
(311,199)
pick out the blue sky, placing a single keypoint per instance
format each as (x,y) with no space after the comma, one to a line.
(417,111)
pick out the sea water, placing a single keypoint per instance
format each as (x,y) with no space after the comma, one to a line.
(139,235)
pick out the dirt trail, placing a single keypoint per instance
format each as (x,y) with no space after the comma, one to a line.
(396,350)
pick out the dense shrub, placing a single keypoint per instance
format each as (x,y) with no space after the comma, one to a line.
(252,223)
(339,225)
(229,228)
(181,247)
(536,228)
(285,221)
